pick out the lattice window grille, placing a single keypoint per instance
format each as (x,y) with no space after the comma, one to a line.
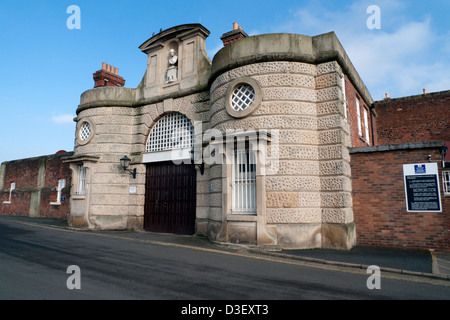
(85,131)
(173,131)
(244,182)
(242,97)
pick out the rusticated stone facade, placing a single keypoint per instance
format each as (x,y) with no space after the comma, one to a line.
(301,196)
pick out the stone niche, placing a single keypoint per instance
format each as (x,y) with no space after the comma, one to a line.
(177,62)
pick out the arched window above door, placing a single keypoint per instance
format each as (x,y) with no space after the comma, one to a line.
(172,131)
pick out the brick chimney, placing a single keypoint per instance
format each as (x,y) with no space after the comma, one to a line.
(236,34)
(108,76)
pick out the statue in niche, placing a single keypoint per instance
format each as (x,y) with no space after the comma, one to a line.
(172,71)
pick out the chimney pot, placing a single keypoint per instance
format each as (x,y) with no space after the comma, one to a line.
(424,90)
(387,95)
(117,71)
(235,25)
(104,66)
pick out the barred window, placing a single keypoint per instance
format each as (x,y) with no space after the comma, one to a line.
(85,131)
(446,182)
(242,97)
(244,182)
(173,131)
(81,188)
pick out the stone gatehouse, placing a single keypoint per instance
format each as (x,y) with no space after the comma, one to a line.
(251,147)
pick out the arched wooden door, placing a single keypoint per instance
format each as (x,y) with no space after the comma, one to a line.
(170,200)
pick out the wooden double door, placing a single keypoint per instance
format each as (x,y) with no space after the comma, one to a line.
(170,198)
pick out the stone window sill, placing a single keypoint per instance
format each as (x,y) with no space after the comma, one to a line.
(241,217)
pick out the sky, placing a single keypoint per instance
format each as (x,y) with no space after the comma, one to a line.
(45,66)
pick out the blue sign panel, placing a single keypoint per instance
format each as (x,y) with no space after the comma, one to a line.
(419,169)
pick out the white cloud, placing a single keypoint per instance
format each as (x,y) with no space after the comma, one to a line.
(401,58)
(63,119)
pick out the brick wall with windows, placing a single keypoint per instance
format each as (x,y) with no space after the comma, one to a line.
(359,117)
(379,203)
(424,117)
(36,192)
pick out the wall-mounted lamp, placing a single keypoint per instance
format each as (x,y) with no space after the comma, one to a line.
(125,163)
(200,166)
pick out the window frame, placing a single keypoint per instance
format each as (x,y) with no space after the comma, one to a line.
(61,185)
(80,124)
(446,182)
(358,116)
(160,139)
(366,124)
(13,187)
(243,182)
(252,107)
(81,183)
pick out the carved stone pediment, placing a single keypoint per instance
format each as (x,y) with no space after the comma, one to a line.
(177,61)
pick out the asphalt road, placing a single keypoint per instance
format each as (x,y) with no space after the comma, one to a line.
(34,260)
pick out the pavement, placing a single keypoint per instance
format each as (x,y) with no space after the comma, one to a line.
(405,261)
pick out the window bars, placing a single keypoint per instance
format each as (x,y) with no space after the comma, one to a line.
(446,182)
(244,182)
(85,131)
(242,97)
(173,131)
(81,188)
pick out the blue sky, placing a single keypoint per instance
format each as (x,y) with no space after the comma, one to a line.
(45,66)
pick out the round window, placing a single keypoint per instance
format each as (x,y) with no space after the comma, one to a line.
(85,131)
(244,96)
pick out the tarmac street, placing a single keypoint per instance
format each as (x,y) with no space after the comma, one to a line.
(35,256)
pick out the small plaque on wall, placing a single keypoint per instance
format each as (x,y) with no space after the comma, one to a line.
(133,190)
(422,187)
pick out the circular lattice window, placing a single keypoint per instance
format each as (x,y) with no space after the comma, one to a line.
(244,96)
(85,132)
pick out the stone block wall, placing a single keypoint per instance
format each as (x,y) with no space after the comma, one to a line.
(119,131)
(311,188)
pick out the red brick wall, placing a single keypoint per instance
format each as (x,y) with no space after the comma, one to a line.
(414,119)
(25,173)
(113,80)
(55,170)
(352,118)
(379,204)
